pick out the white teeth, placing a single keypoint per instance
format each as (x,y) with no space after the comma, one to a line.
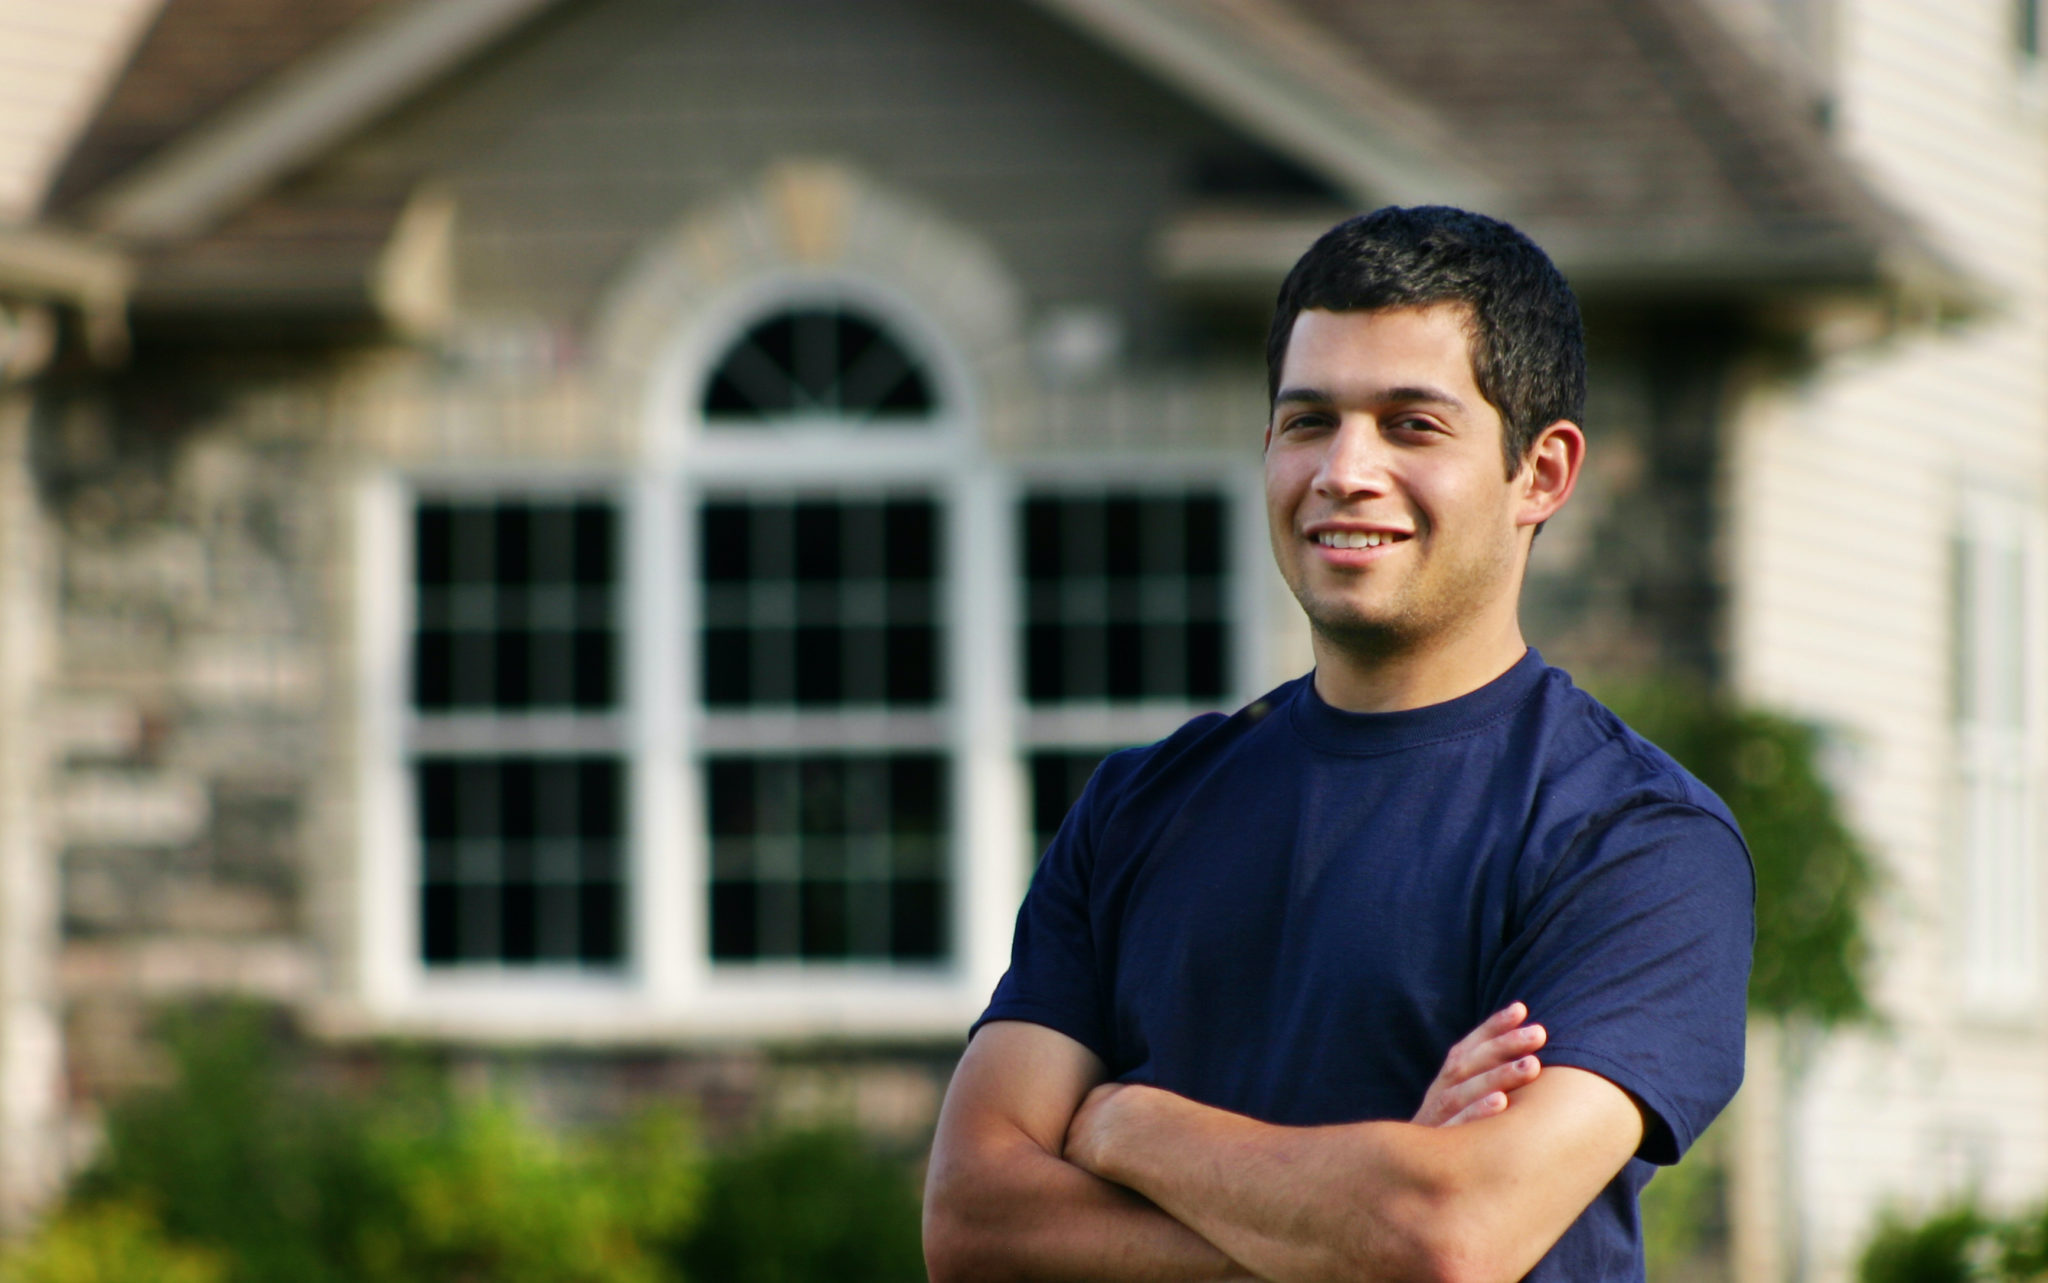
(1352,539)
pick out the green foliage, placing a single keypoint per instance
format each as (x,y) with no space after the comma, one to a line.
(485,1196)
(1813,876)
(109,1243)
(1684,1210)
(243,1169)
(2023,1246)
(244,1164)
(808,1207)
(1952,1246)
(235,1155)
(1958,1244)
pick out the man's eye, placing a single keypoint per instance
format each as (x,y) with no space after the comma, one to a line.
(1305,422)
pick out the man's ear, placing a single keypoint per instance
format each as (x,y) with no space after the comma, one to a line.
(1549,471)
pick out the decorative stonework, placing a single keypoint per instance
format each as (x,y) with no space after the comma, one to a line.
(816,221)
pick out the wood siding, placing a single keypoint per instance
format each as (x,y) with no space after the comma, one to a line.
(1846,491)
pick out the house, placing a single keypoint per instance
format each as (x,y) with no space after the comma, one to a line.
(1885,571)
(624,522)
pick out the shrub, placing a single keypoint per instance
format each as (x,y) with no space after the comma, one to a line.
(109,1243)
(814,1206)
(235,1154)
(252,1168)
(1950,1246)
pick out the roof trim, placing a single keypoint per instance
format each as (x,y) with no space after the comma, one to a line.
(50,266)
(1260,66)
(286,121)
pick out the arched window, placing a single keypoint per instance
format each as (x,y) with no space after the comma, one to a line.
(822,577)
(829,361)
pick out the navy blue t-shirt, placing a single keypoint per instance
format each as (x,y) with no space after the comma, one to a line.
(1294,912)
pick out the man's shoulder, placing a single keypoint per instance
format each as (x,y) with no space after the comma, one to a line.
(1198,738)
(1594,763)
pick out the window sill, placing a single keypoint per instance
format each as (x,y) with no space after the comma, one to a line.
(737,1004)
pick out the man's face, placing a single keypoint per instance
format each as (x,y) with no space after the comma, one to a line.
(1391,514)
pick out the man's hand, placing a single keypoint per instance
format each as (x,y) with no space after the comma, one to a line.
(1483,1070)
(1480,1072)
(1367,1200)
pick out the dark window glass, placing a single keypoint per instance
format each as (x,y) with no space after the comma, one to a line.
(1124,597)
(828,856)
(1057,778)
(819,603)
(516,602)
(523,860)
(830,361)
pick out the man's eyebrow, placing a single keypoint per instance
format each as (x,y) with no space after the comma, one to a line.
(1303,396)
(1413,395)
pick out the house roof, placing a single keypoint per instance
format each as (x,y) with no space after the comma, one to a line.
(1634,138)
(57,60)
(197,57)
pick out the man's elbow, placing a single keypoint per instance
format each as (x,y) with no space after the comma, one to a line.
(1437,1238)
(949,1250)
(960,1247)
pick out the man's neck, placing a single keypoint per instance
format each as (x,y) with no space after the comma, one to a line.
(1413,677)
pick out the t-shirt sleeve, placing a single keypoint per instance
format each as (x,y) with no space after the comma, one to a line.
(1634,955)
(1053,979)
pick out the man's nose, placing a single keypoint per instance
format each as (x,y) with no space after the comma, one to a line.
(1354,460)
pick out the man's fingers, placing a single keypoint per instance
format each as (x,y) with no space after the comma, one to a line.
(1459,1099)
(1465,1063)
(1486,1106)
(1492,1027)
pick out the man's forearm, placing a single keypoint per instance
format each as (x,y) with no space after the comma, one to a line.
(1366,1200)
(1022,1213)
(1292,1203)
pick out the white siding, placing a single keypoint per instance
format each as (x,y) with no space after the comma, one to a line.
(1846,494)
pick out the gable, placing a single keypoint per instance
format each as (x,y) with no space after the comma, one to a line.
(564,149)
(1636,140)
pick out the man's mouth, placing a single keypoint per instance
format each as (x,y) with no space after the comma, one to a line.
(1355,538)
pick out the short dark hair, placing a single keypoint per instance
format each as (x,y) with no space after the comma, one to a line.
(1528,343)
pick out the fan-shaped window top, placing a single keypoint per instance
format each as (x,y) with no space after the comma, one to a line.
(818,361)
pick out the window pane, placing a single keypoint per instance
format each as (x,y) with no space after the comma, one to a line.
(832,361)
(522,860)
(1124,597)
(819,602)
(515,602)
(1057,778)
(828,856)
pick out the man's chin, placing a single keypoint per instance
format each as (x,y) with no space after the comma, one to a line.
(1362,635)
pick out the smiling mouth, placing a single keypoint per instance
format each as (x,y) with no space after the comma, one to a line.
(1356,538)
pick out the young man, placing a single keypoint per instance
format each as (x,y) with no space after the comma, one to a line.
(1216,1053)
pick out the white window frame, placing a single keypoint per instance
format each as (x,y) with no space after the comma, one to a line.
(1998,761)
(668,985)
(1247,556)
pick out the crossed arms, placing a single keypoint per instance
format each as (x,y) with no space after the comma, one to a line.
(1042,1170)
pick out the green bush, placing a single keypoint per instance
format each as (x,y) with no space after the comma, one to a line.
(483,1195)
(817,1206)
(109,1243)
(249,1170)
(1952,1246)
(244,1169)
(1684,1210)
(236,1155)
(1957,1244)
